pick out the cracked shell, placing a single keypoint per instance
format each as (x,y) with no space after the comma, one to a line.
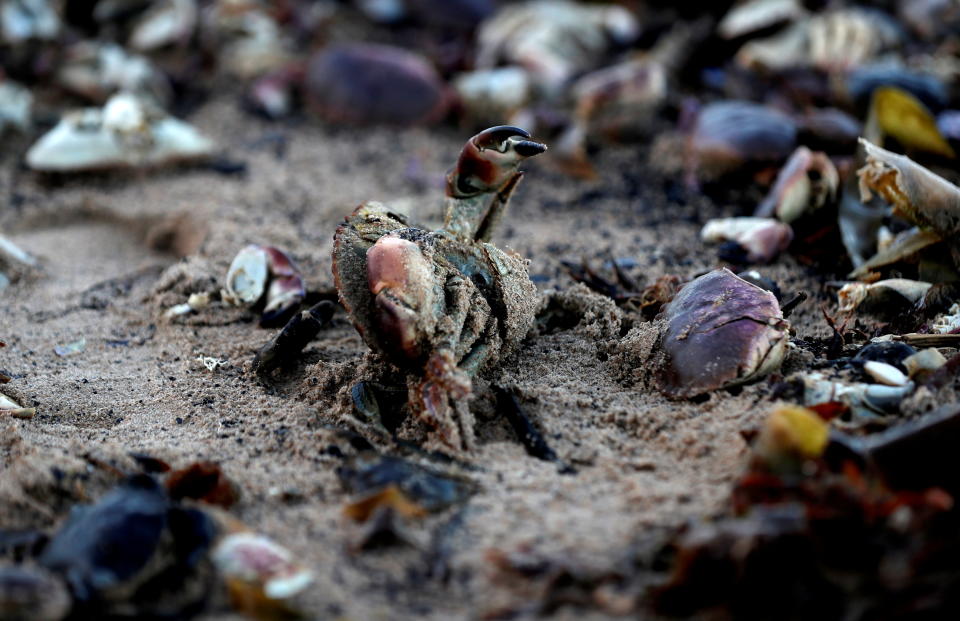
(720,331)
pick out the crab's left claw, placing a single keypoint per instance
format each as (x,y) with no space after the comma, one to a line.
(489,160)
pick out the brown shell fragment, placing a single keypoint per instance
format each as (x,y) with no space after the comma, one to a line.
(374,84)
(808,181)
(918,195)
(720,331)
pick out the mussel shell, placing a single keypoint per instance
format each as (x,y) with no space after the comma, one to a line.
(374,84)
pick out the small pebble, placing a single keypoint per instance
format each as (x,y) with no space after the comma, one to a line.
(885,373)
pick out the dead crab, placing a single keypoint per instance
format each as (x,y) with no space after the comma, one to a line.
(445,304)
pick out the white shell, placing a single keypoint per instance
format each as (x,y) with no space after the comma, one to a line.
(257,560)
(124,134)
(885,373)
(247,276)
(16,105)
(165,23)
(21,20)
(754,15)
(853,294)
(926,360)
(762,238)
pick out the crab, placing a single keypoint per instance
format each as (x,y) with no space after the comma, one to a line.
(444,305)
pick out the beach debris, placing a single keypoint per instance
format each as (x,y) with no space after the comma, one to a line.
(365,83)
(286,346)
(493,95)
(790,436)
(898,114)
(446,304)
(410,489)
(720,331)
(13,253)
(12,408)
(71,348)
(16,107)
(195,302)
(916,194)
(25,20)
(530,437)
(126,133)
(807,182)
(728,135)
(867,403)
(31,593)
(923,364)
(947,323)
(264,274)
(829,129)
(96,71)
(250,41)
(553,40)
(889,296)
(752,16)
(888,352)
(165,23)
(131,549)
(860,84)
(884,373)
(204,481)
(261,576)
(748,240)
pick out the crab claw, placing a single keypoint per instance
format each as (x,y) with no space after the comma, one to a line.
(489,160)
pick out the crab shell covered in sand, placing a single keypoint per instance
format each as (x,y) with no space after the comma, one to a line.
(444,305)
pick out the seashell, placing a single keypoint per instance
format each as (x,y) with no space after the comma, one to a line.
(807,182)
(890,295)
(866,401)
(492,96)
(754,15)
(30,593)
(918,195)
(363,83)
(23,20)
(923,363)
(260,574)
(251,40)
(16,107)
(96,71)
(720,331)
(888,352)
(760,240)
(897,113)
(168,22)
(903,246)
(264,272)
(948,323)
(553,40)
(730,134)
(884,373)
(125,133)
(14,409)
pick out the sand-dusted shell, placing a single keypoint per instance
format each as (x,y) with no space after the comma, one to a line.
(891,294)
(720,331)
(264,273)
(95,71)
(363,83)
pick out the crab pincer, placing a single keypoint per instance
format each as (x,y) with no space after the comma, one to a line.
(443,305)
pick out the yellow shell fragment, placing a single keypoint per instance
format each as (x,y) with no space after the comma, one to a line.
(902,116)
(792,431)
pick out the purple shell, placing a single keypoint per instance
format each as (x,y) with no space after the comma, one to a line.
(721,331)
(374,84)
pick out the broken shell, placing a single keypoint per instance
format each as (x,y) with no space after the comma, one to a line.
(885,373)
(755,15)
(948,323)
(125,133)
(729,134)
(166,23)
(759,240)
(96,71)
(29,593)
(866,401)
(364,83)
(11,407)
(16,107)
(916,194)
(553,40)
(492,96)
(921,364)
(807,182)
(259,270)
(247,277)
(881,295)
(720,331)
(258,570)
